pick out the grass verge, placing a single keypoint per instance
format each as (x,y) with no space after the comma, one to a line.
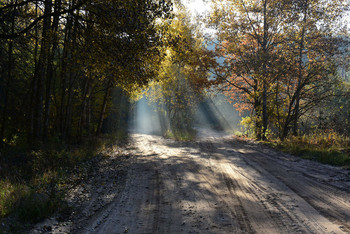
(328,148)
(33,183)
(181,135)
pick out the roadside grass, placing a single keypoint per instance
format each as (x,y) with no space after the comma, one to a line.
(33,183)
(325,147)
(181,135)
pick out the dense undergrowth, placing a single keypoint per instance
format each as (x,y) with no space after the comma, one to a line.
(33,182)
(325,147)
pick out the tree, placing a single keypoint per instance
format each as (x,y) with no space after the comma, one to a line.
(278,57)
(69,55)
(181,82)
(312,49)
(248,33)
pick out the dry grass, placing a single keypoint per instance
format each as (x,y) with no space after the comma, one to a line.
(325,147)
(31,181)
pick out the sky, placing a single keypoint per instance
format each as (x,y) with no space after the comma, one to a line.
(197,6)
(201,7)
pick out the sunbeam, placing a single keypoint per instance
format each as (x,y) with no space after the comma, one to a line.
(217,113)
(145,118)
(156,118)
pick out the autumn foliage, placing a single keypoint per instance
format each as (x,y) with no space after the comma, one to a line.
(279,58)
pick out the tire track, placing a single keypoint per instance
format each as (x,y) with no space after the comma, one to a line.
(325,198)
(218,185)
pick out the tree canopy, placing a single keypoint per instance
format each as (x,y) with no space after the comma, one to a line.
(60,59)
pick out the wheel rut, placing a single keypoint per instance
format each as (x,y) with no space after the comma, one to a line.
(220,185)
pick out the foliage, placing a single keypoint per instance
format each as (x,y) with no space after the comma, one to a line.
(60,60)
(333,115)
(180,84)
(248,126)
(279,58)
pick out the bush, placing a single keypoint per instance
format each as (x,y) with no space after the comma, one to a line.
(248,125)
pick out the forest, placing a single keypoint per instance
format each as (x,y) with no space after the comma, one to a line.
(72,73)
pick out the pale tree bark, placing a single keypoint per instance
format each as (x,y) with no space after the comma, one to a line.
(265,73)
(300,70)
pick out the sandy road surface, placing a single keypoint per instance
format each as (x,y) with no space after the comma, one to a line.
(220,185)
(213,185)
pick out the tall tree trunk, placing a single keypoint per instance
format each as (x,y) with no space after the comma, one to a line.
(68,110)
(68,78)
(277,104)
(83,107)
(300,74)
(89,110)
(33,85)
(258,124)
(39,74)
(50,69)
(63,71)
(104,106)
(63,80)
(265,73)
(8,81)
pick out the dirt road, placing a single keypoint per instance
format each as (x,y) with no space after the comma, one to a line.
(220,185)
